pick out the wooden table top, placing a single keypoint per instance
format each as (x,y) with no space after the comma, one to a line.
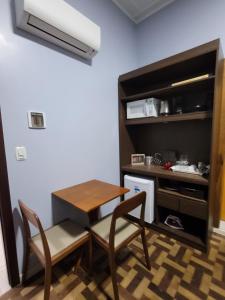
(90,195)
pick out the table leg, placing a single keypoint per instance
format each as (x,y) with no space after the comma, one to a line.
(93,216)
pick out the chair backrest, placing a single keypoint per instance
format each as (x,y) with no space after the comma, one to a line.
(29,216)
(124,208)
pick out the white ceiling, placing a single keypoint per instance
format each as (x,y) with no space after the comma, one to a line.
(138,10)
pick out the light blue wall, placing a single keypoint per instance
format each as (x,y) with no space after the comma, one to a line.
(80,101)
(179,27)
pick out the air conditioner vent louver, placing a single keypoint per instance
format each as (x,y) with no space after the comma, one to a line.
(54,33)
(59,23)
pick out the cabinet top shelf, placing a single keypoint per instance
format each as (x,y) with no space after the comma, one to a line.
(196,58)
(165,91)
(158,171)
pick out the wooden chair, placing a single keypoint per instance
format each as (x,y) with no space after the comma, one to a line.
(114,232)
(51,245)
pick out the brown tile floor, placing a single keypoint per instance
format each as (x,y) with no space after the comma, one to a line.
(178,272)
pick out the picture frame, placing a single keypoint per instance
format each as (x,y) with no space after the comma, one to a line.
(36,120)
(137,159)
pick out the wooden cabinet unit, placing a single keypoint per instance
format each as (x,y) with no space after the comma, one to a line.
(191,83)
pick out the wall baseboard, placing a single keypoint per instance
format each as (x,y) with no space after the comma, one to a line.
(221,229)
(33,269)
(4,283)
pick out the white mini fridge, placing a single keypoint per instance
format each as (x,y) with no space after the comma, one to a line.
(137,185)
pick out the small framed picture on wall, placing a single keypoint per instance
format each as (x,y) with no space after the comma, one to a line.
(36,120)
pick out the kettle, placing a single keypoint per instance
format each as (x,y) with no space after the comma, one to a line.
(164,108)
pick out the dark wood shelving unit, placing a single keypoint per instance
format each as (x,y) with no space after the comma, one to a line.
(201,115)
(193,132)
(165,91)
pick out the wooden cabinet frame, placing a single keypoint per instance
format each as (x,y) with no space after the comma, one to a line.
(148,82)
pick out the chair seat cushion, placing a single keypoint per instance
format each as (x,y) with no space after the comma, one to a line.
(61,236)
(124,229)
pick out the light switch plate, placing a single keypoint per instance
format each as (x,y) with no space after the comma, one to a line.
(21,153)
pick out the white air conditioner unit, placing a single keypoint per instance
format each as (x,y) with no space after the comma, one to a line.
(58,22)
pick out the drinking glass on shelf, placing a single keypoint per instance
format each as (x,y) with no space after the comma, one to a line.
(183,160)
(148,160)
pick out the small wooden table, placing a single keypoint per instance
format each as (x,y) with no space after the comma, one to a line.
(89,196)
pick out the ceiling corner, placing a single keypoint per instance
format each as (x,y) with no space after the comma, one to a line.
(139,10)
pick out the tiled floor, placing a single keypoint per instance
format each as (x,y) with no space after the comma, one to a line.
(178,272)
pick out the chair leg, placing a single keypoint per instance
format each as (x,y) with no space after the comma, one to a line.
(112,264)
(47,284)
(143,237)
(90,255)
(26,257)
(78,262)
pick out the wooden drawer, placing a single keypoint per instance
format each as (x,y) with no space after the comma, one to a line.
(167,200)
(184,204)
(194,208)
